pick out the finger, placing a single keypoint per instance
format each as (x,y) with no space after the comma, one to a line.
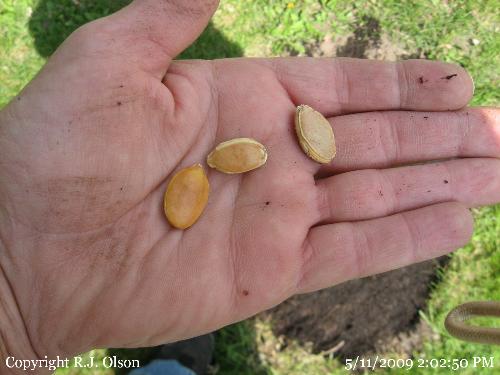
(345,85)
(383,139)
(367,194)
(336,253)
(161,29)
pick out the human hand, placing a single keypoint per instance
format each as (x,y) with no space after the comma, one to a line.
(87,257)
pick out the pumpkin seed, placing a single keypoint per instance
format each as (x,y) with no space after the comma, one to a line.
(315,134)
(186,196)
(237,155)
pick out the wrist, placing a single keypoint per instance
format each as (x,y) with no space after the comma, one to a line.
(15,342)
(15,345)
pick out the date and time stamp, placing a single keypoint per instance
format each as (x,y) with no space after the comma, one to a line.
(355,364)
(359,363)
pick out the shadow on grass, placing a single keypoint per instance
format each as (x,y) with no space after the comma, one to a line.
(53,21)
(235,352)
(366,35)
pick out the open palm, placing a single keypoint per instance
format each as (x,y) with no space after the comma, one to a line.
(88,147)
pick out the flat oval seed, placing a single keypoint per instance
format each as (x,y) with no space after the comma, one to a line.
(315,134)
(238,155)
(186,196)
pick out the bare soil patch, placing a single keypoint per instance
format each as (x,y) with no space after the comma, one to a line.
(372,315)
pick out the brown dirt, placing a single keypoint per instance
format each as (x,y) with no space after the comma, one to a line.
(360,317)
(367,41)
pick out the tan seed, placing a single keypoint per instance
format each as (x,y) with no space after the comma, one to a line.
(186,196)
(315,134)
(238,155)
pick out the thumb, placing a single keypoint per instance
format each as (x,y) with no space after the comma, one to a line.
(171,24)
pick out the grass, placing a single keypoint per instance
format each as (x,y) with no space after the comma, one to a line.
(462,31)
(471,275)
(19,58)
